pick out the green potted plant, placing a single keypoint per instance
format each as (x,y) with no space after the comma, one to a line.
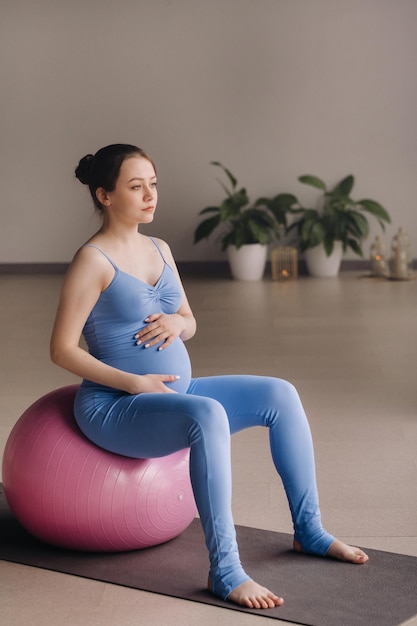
(244,229)
(336,224)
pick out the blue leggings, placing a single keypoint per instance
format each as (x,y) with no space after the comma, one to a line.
(152,425)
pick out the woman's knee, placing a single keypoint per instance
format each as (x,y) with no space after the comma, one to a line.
(278,390)
(209,415)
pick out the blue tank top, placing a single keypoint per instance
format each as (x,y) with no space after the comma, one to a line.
(120,312)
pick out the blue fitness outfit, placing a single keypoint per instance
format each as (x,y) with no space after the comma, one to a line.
(201,416)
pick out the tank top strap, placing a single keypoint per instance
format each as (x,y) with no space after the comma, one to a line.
(91,245)
(158,248)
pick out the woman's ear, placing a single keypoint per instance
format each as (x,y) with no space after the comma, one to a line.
(102,196)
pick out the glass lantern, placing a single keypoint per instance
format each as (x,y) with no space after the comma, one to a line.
(284,263)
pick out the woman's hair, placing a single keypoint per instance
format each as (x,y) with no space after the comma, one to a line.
(102,169)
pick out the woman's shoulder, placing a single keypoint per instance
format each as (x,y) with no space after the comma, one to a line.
(163,246)
(90,262)
(89,252)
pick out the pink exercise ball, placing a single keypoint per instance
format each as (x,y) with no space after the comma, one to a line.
(68,492)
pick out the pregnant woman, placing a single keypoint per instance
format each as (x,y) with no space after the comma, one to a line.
(123,293)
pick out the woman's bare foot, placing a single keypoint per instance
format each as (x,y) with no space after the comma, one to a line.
(253,596)
(341,551)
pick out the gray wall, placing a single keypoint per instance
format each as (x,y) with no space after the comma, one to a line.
(272,88)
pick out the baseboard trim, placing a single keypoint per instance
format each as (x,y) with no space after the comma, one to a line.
(186,268)
(33,268)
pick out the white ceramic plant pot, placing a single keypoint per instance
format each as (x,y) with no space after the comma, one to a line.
(247,262)
(319,264)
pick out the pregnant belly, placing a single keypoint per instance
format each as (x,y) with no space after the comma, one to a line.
(171,360)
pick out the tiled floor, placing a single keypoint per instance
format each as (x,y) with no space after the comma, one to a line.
(350,346)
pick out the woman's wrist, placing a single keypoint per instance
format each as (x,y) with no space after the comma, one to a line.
(133,385)
(189,327)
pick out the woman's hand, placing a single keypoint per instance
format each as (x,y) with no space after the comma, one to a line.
(152,383)
(161,328)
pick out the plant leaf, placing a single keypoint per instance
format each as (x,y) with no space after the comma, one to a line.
(282,201)
(241,238)
(360,223)
(312,233)
(260,234)
(232,206)
(226,171)
(354,244)
(206,227)
(345,186)
(375,209)
(209,209)
(328,243)
(308,179)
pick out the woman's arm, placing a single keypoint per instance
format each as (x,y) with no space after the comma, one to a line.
(87,276)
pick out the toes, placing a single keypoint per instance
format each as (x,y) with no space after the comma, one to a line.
(355,555)
(253,596)
(341,551)
(263,603)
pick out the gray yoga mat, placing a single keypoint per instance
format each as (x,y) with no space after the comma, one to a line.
(317,591)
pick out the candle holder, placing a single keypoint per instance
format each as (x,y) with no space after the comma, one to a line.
(284,263)
(379,264)
(401,256)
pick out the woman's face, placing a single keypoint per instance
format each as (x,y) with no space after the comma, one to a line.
(135,196)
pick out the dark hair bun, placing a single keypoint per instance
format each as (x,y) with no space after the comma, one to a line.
(82,171)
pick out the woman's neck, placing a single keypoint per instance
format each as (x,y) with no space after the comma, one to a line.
(119,231)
